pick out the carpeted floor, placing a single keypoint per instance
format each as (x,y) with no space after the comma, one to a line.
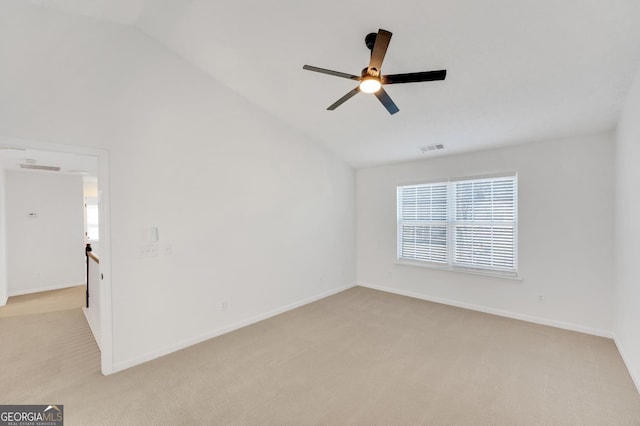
(45,301)
(359,357)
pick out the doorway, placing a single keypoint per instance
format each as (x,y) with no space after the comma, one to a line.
(87,166)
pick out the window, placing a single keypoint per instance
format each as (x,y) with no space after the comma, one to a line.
(92,222)
(468,224)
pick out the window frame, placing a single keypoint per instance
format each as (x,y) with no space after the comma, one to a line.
(451,224)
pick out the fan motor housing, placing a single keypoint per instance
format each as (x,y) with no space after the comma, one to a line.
(370,40)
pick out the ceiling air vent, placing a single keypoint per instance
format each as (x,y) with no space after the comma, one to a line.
(39,167)
(428,148)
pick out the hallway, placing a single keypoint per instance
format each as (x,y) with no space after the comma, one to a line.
(43,302)
(48,342)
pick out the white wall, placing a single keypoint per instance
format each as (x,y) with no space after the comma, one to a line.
(254,214)
(627,318)
(565,233)
(3,237)
(44,252)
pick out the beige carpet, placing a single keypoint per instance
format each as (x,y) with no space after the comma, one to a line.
(45,301)
(359,357)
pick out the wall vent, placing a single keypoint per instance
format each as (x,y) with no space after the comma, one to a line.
(428,148)
(39,167)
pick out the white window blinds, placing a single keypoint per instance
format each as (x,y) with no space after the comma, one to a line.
(484,222)
(422,222)
(463,224)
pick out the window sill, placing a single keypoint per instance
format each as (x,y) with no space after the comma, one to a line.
(426,265)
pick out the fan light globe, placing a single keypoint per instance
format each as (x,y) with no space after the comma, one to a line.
(370,85)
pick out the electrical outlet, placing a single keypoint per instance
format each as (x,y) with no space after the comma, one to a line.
(224,305)
(540,299)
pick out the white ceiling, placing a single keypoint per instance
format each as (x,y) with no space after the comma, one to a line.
(517,71)
(121,11)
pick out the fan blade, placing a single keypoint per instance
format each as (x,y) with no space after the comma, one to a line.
(330,72)
(414,77)
(379,50)
(384,97)
(344,99)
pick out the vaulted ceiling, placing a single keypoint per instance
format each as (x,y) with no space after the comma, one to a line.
(517,71)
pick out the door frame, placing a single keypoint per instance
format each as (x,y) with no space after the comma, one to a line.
(106,310)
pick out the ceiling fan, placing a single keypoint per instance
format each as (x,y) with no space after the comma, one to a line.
(371,81)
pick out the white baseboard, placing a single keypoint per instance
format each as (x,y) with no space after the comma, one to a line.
(3,301)
(627,362)
(119,366)
(493,311)
(41,289)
